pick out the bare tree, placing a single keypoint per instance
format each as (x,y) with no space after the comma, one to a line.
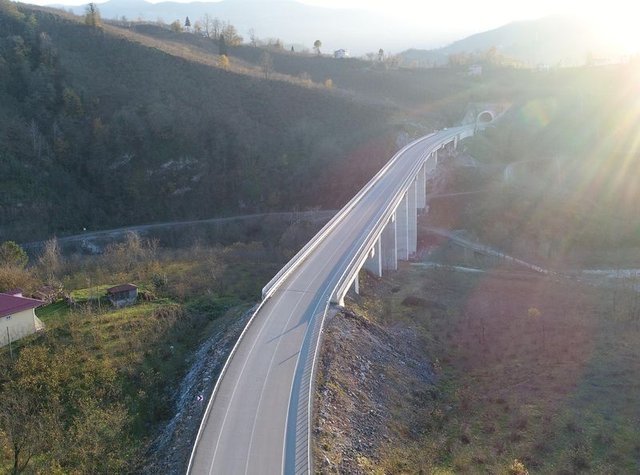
(252,37)
(207,25)
(51,260)
(266,63)
(216,28)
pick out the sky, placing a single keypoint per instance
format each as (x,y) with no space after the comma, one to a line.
(616,17)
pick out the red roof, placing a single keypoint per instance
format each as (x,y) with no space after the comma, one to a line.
(121,288)
(10,304)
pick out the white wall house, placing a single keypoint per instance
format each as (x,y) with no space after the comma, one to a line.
(475,70)
(18,318)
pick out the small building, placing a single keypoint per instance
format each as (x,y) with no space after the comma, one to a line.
(341,54)
(122,295)
(475,70)
(18,317)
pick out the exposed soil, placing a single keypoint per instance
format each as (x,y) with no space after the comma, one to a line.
(365,367)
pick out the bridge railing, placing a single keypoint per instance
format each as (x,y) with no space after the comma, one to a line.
(361,254)
(293,264)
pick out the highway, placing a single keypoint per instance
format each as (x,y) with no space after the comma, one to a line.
(258,419)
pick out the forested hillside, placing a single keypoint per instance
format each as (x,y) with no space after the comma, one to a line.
(98,130)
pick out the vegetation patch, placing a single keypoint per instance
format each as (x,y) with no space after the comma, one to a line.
(531,374)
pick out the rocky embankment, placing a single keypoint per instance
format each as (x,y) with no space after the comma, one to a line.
(169,453)
(366,369)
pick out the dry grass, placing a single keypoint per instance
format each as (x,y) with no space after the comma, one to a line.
(529,368)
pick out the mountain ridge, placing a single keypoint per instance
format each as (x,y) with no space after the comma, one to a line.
(552,40)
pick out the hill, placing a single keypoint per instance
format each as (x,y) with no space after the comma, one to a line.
(554,40)
(126,124)
(289,20)
(100,127)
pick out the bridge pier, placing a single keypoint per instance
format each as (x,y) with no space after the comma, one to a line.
(374,261)
(389,246)
(430,164)
(402,230)
(412,202)
(422,187)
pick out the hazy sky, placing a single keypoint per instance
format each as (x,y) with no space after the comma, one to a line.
(617,17)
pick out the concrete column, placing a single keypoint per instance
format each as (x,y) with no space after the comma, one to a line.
(422,187)
(412,210)
(402,229)
(389,249)
(430,164)
(436,156)
(356,284)
(455,142)
(374,261)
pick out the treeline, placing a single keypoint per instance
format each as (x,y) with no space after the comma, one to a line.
(99,131)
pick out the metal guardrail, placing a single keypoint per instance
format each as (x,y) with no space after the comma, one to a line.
(293,264)
(361,255)
(273,285)
(277,280)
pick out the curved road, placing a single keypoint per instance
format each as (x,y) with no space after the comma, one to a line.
(259,416)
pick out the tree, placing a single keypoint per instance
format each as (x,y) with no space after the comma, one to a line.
(253,39)
(230,35)
(216,27)
(222,47)
(266,63)
(11,254)
(380,55)
(51,260)
(317,44)
(176,26)
(187,23)
(223,61)
(92,16)
(24,427)
(207,25)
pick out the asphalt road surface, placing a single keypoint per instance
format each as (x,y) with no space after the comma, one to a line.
(259,418)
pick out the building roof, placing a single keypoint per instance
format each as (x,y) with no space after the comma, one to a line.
(121,288)
(10,304)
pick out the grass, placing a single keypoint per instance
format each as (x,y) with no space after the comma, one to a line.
(532,370)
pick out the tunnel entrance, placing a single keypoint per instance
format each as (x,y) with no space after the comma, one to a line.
(485,117)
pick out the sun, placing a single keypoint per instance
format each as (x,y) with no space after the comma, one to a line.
(621,30)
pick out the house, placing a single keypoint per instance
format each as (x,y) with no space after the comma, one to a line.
(18,317)
(341,54)
(475,70)
(122,295)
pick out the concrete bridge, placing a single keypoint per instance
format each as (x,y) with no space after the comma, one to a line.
(258,419)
